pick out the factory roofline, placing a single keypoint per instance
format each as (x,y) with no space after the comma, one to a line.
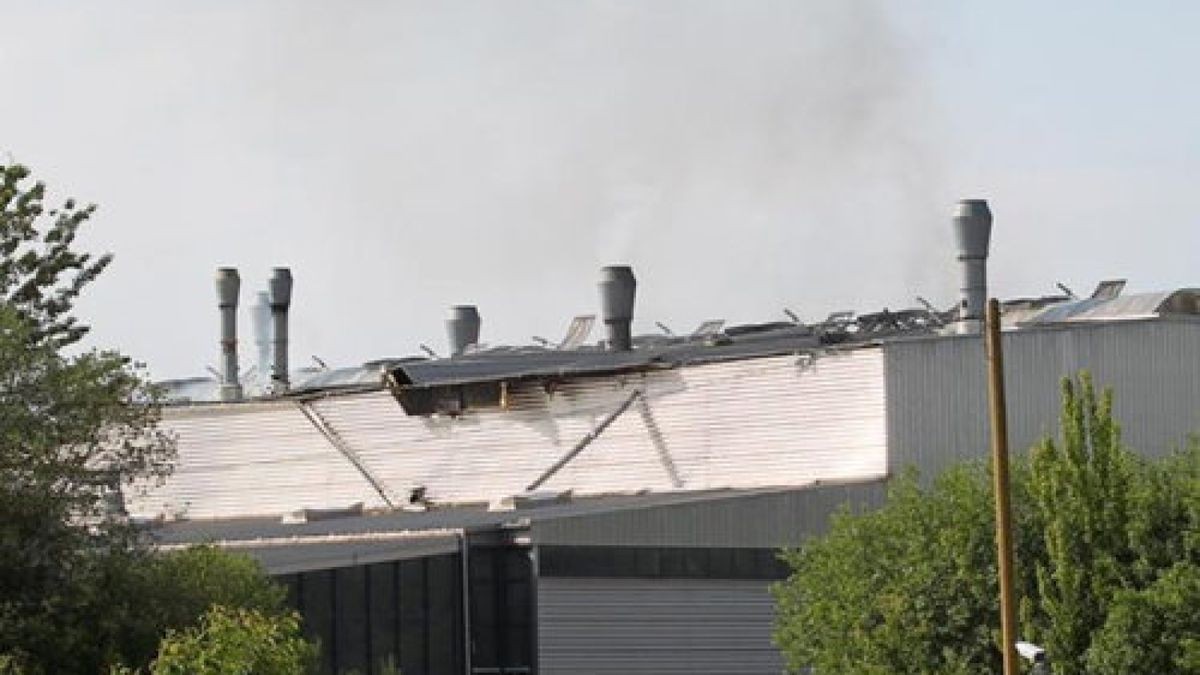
(367,538)
(410,375)
(472,517)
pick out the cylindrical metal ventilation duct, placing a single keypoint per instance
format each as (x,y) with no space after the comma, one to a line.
(260,320)
(972,233)
(462,328)
(618,288)
(280,288)
(228,285)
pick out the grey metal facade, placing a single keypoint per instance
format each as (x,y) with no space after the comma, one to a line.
(406,612)
(636,626)
(796,436)
(937,396)
(741,518)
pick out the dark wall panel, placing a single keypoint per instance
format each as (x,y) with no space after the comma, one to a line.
(661,562)
(316,601)
(407,612)
(445,614)
(501,609)
(414,630)
(519,619)
(383,611)
(351,622)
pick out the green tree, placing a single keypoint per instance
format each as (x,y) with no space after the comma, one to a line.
(69,439)
(237,642)
(1152,631)
(154,594)
(1080,490)
(80,590)
(911,587)
(41,275)
(906,588)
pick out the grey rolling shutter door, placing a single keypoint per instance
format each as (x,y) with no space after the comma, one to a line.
(630,626)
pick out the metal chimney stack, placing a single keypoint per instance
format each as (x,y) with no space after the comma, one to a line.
(972,233)
(462,328)
(228,285)
(260,320)
(280,288)
(617,290)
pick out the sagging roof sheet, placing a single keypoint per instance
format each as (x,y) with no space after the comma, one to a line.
(769,417)
(1137,306)
(534,363)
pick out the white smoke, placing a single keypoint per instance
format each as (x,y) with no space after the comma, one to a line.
(402,157)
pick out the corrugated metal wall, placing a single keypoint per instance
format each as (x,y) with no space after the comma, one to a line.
(772,519)
(251,459)
(937,395)
(652,626)
(406,612)
(768,421)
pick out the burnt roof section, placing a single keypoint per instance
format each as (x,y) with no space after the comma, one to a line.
(658,351)
(405,376)
(509,364)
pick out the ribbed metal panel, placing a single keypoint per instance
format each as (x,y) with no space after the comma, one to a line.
(744,424)
(937,395)
(750,423)
(632,626)
(251,460)
(771,519)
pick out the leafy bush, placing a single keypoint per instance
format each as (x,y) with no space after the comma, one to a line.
(237,642)
(79,589)
(69,441)
(174,590)
(1107,552)
(1152,631)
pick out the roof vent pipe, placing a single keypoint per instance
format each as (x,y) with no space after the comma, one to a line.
(462,328)
(972,233)
(260,320)
(228,285)
(280,288)
(617,290)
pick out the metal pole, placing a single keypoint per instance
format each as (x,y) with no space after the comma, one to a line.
(999,420)
(464,546)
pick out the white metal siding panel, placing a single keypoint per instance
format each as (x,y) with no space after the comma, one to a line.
(251,460)
(749,423)
(633,626)
(937,393)
(743,424)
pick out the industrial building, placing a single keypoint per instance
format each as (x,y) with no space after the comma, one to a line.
(616,507)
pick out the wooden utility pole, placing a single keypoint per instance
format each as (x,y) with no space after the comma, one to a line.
(1004,545)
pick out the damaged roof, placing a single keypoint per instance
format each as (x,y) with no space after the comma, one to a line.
(509,363)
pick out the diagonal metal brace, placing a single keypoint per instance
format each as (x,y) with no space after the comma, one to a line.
(584,442)
(660,443)
(341,446)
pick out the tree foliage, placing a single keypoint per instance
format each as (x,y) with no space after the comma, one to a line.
(70,439)
(1080,490)
(41,275)
(172,591)
(1151,631)
(857,603)
(79,589)
(1103,539)
(237,642)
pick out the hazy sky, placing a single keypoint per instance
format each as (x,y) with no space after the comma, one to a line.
(743,156)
